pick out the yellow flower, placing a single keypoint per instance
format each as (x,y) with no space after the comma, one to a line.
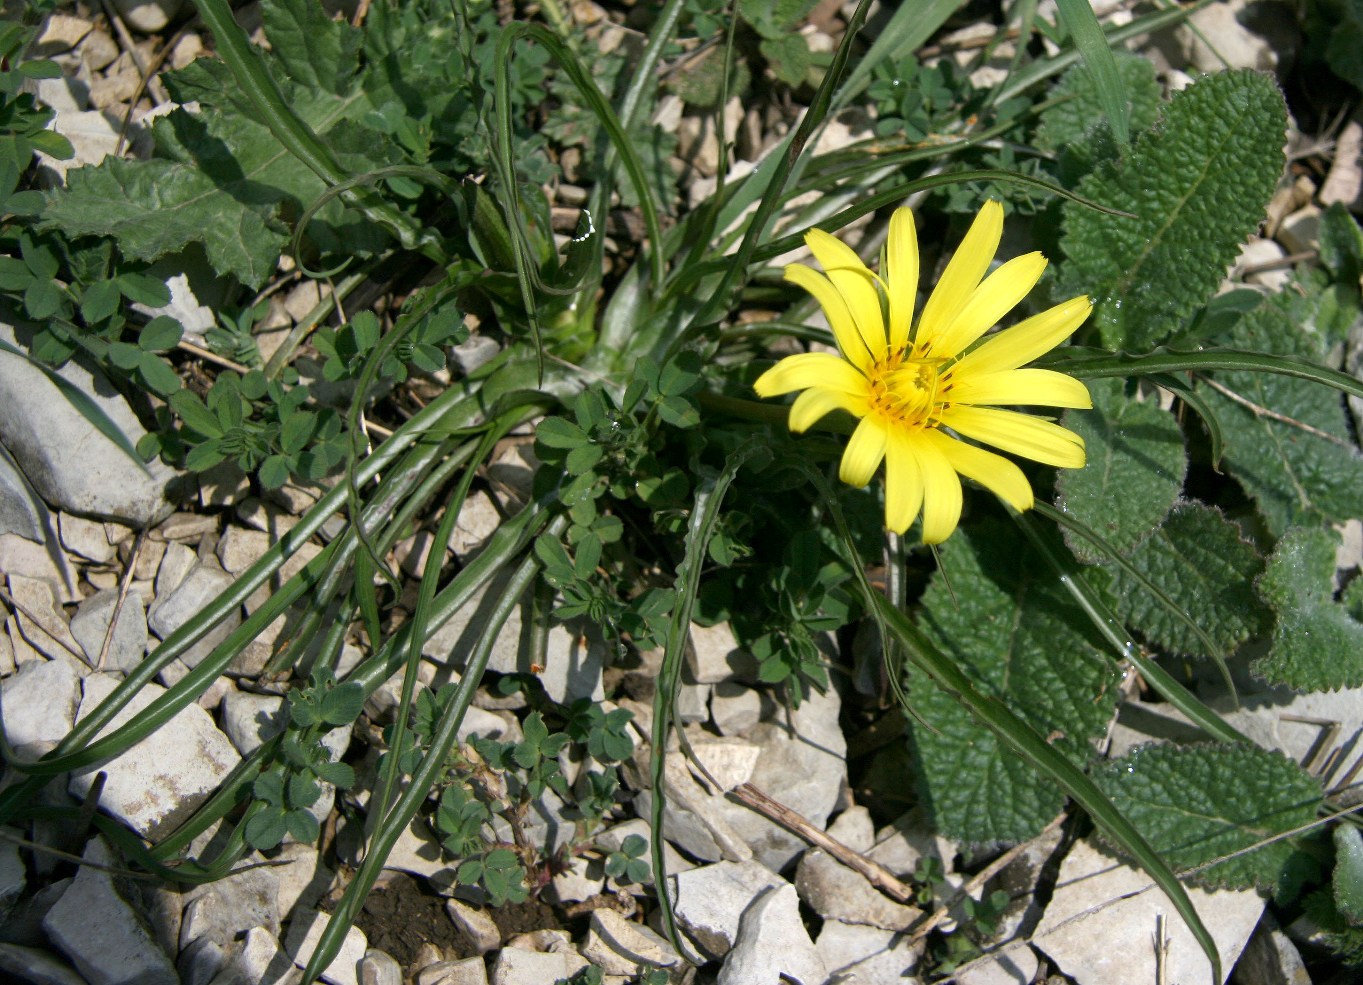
(919,391)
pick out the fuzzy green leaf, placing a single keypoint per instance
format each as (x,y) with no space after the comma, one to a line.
(313,49)
(1135,470)
(1198,183)
(1316,645)
(1199,803)
(1021,638)
(343,704)
(1296,475)
(1202,565)
(1348,878)
(156,207)
(1076,113)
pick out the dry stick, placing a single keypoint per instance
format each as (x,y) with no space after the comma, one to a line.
(979,879)
(880,877)
(124,584)
(1260,411)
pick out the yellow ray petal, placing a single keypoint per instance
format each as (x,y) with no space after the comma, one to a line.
(808,369)
(998,295)
(1019,345)
(1020,434)
(996,473)
(839,318)
(857,285)
(901,276)
(817,402)
(903,484)
(941,492)
(863,453)
(1037,387)
(963,273)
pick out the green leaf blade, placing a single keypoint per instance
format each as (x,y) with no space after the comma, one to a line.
(1136,466)
(1012,629)
(1197,804)
(1198,183)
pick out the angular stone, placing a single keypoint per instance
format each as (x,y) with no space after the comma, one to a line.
(729,761)
(203,583)
(379,968)
(13,877)
(714,654)
(33,966)
(90,625)
(621,947)
(854,828)
(42,621)
(470,971)
(1098,899)
(735,707)
(148,16)
(772,944)
(162,779)
(101,934)
(22,511)
(260,961)
(1011,966)
(862,955)
(710,901)
(516,967)
(59,33)
(70,463)
(835,891)
(478,521)
(476,925)
(803,767)
(40,701)
(223,911)
(305,932)
(86,538)
(304,880)
(18,555)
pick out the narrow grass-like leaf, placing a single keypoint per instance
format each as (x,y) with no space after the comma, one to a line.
(700,528)
(1093,47)
(907,30)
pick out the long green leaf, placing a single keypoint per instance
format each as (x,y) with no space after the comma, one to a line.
(908,28)
(1033,748)
(1093,48)
(704,517)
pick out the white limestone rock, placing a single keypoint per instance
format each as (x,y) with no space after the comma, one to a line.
(96,929)
(517,967)
(42,620)
(835,891)
(148,16)
(1011,966)
(22,511)
(201,585)
(162,779)
(90,625)
(772,944)
(70,463)
(1099,899)
(622,947)
(709,901)
(40,701)
(35,967)
(305,932)
(379,968)
(856,954)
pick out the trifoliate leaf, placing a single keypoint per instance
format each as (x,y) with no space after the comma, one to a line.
(1202,565)
(1135,469)
(1195,804)
(1300,464)
(1022,639)
(1348,878)
(1316,645)
(1198,182)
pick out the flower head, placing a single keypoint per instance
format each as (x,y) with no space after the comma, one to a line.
(923,393)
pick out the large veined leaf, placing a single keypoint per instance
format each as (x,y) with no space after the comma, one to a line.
(1196,804)
(1316,644)
(1135,469)
(1022,639)
(1202,564)
(1198,183)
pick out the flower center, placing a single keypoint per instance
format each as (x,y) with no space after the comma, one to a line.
(906,391)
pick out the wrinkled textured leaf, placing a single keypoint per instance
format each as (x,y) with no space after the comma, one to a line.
(313,49)
(1199,803)
(1022,639)
(1202,565)
(1135,469)
(1075,112)
(1199,183)
(1294,475)
(1316,645)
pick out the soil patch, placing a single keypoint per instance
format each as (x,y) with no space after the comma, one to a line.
(399,917)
